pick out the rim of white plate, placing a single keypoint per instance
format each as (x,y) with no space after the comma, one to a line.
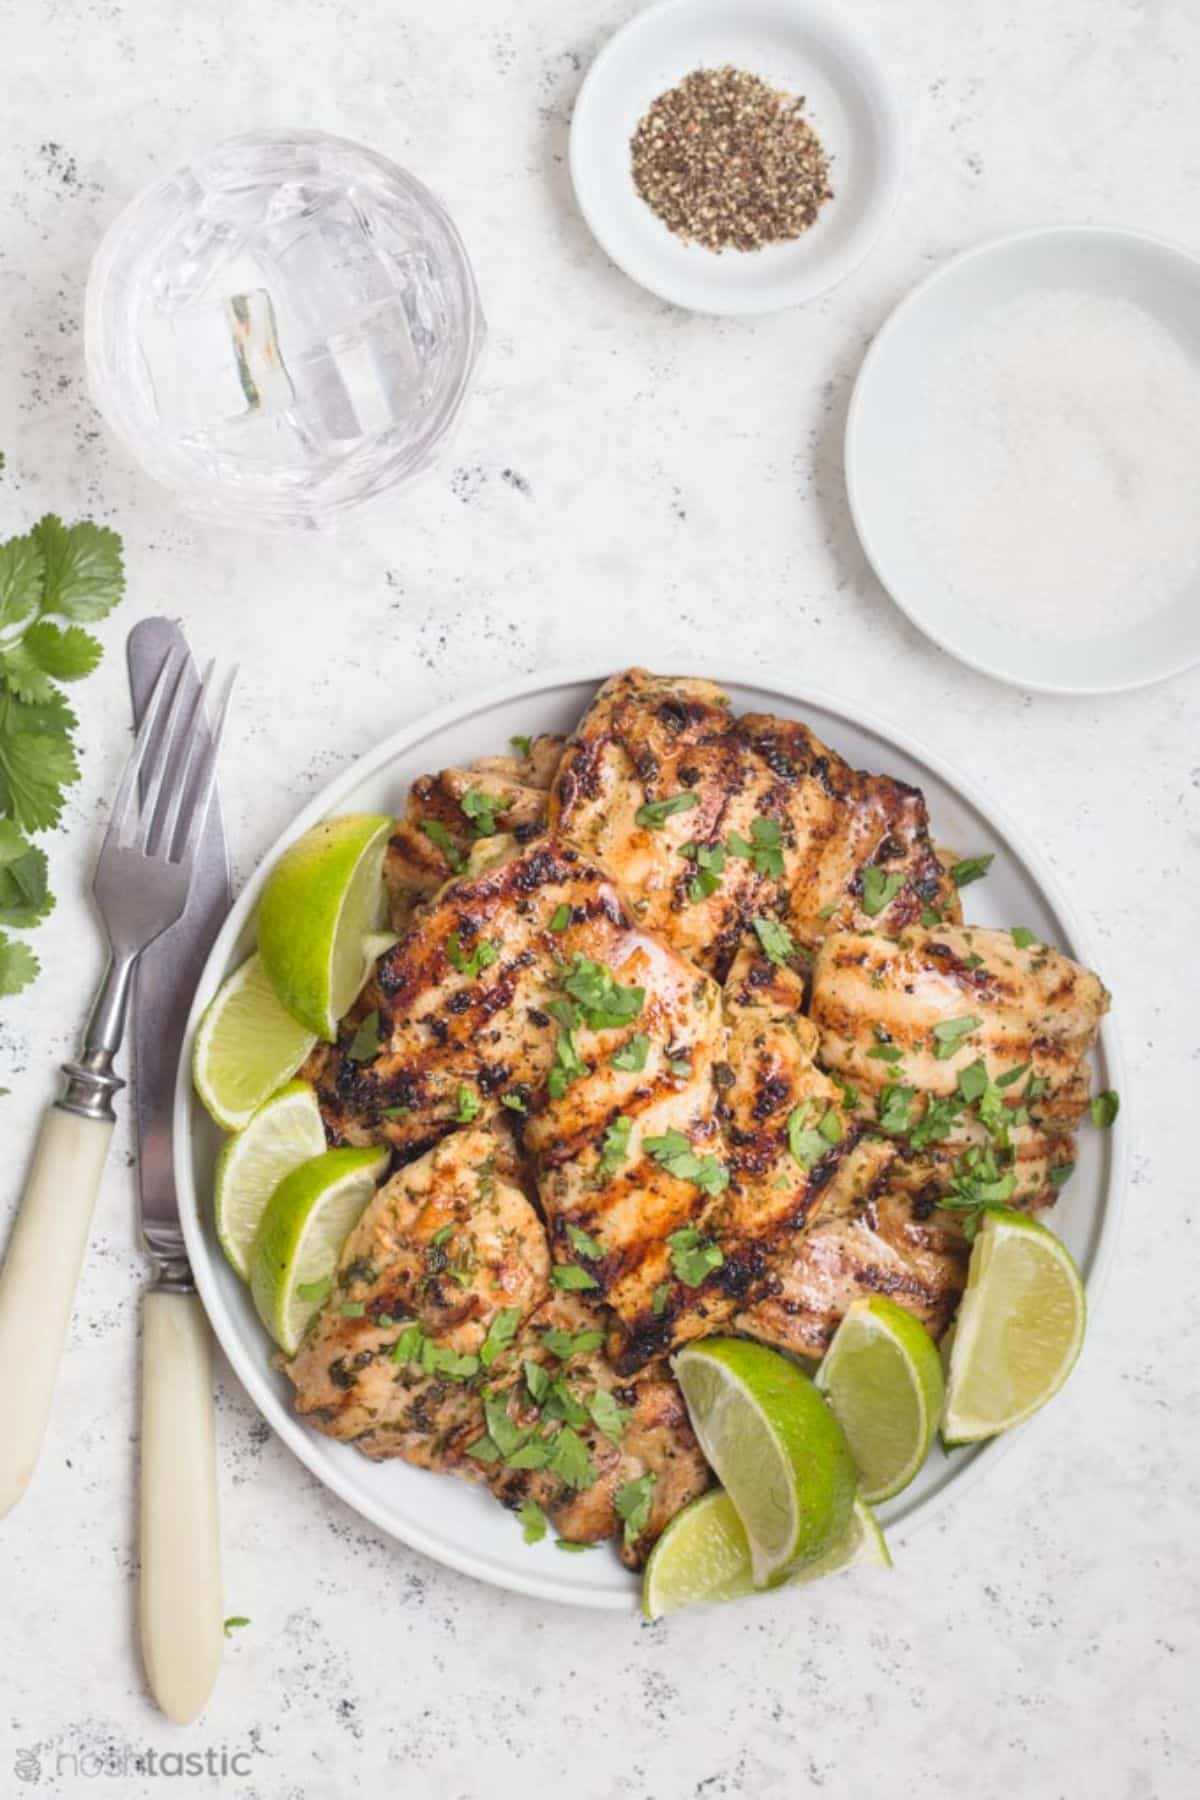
(860,398)
(253,1374)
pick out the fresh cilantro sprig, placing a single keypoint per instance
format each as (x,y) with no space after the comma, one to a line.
(54,572)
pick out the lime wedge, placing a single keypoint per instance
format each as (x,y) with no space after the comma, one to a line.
(1019,1329)
(247,1046)
(703,1556)
(283,1133)
(883,1378)
(308,1218)
(775,1446)
(321,899)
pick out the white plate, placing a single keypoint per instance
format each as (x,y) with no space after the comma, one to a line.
(448,1519)
(797,46)
(884,434)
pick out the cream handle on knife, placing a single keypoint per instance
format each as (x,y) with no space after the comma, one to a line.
(182,1611)
(38,1281)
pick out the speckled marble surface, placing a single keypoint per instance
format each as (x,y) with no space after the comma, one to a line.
(627,481)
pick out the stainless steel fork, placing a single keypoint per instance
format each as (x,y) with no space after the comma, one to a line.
(141,887)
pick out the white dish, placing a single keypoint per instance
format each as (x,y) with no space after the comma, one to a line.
(448,1519)
(798,46)
(884,434)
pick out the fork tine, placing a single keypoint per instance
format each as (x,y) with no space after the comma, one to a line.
(161,770)
(192,737)
(147,734)
(194,814)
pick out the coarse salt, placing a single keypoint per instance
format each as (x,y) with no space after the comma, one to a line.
(1054,487)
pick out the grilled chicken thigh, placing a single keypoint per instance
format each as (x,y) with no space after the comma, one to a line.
(451,815)
(442,1344)
(708,821)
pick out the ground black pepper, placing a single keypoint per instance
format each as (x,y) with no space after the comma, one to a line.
(728,162)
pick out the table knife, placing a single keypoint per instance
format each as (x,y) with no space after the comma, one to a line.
(180,1604)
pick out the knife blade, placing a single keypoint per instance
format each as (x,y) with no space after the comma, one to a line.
(167,976)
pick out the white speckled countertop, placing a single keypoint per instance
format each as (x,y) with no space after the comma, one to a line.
(627,482)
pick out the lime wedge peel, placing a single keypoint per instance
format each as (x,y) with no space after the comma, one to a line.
(307,1221)
(1019,1330)
(247,1045)
(320,902)
(883,1378)
(703,1556)
(285,1132)
(775,1447)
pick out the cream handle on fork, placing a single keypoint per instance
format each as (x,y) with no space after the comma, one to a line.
(181,1602)
(38,1281)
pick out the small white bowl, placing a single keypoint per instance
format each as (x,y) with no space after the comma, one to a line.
(884,434)
(802,49)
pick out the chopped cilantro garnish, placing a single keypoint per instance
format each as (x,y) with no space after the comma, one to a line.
(501,1332)
(680,1066)
(353,1309)
(930,916)
(560,918)
(1022,937)
(693,1256)
(614,1147)
(571,1276)
(583,1244)
(675,1153)
(887,1053)
(437,834)
(1011,1075)
(483,1450)
(514,1103)
(633,1504)
(1060,1172)
(763,849)
(482,957)
(972,1081)
(659,1298)
(563,1345)
(364,1046)
(537,1380)
(568,1065)
(710,864)
(632,1055)
(315,1291)
(607,1416)
(971,868)
(520,742)
(775,939)
(978,1182)
(655,813)
(603,1001)
(880,889)
(809,1143)
(570,1461)
(895,1104)
(481,808)
(467,1104)
(1104,1108)
(533,1519)
(949,1035)
(570,1545)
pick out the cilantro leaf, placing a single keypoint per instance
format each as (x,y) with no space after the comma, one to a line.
(22,566)
(24,895)
(34,769)
(583,1244)
(632,1056)
(1104,1108)
(438,834)
(501,1332)
(659,1298)
(364,1046)
(655,813)
(809,1143)
(521,743)
(481,808)
(235,1623)
(18,966)
(971,868)
(776,940)
(560,918)
(880,889)
(608,1416)
(571,1276)
(949,1035)
(85,575)
(675,1154)
(604,1002)
(614,1147)
(633,1504)
(533,1519)
(693,1256)
(561,1343)
(482,957)
(1022,937)
(570,1461)
(467,1104)
(49,650)
(894,1106)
